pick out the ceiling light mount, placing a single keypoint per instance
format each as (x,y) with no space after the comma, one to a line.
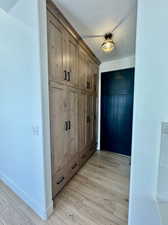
(108,36)
(108,45)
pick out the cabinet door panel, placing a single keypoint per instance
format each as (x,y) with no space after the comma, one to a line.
(73,122)
(55,49)
(58,117)
(73,62)
(89,120)
(82,128)
(82,70)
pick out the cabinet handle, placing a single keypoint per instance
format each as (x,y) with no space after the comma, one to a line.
(69,125)
(66,125)
(74,166)
(88,85)
(69,76)
(61,180)
(65,75)
(88,119)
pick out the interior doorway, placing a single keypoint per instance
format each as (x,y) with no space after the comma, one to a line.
(117,91)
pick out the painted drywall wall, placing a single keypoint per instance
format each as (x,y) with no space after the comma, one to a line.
(22,162)
(150,109)
(113,65)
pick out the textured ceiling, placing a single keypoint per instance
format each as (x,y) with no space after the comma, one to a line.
(94,17)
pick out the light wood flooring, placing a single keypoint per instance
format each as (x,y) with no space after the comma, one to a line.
(97,195)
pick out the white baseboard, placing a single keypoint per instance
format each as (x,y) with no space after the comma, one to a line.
(41,212)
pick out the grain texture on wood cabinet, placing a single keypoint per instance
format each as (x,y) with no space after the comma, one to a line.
(59,129)
(82,69)
(55,49)
(72,97)
(73,62)
(82,120)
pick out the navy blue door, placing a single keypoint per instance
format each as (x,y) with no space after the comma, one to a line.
(117,111)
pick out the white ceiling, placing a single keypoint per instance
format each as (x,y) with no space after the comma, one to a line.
(7,4)
(94,17)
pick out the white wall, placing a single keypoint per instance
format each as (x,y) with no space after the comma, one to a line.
(150,109)
(113,65)
(22,146)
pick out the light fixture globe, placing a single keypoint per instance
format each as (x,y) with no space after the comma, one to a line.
(108,45)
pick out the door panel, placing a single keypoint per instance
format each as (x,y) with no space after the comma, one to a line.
(117,111)
(73,122)
(82,120)
(55,49)
(58,117)
(89,120)
(82,69)
(73,61)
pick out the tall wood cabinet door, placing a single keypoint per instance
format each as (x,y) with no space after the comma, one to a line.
(89,83)
(89,132)
(73,62)
(55,49)
(73,123)
(82,123)
(59,126)
(82,69)
(95,120)
(66,58)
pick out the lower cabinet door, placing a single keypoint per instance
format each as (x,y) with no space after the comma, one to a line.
(72,146)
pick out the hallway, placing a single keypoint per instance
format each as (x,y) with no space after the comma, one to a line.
(97,195)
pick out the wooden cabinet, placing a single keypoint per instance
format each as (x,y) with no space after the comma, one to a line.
(72,91)
(63,54)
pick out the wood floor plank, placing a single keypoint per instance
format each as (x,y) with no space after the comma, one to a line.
(97,195)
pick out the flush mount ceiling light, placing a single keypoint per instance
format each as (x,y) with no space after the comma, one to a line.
(108,45)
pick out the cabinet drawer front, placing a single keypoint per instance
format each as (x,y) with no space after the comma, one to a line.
(73,167)
(59,181)
(83,157)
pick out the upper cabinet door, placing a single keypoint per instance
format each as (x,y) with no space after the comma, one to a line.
(89,83)
(82,69)
(55,49)
(59,126)
(73,62)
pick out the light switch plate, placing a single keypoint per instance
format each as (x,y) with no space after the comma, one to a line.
(164,127)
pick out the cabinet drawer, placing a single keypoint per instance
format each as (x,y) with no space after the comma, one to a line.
(84,156)
(59,181)
(92,150)
(74,167)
